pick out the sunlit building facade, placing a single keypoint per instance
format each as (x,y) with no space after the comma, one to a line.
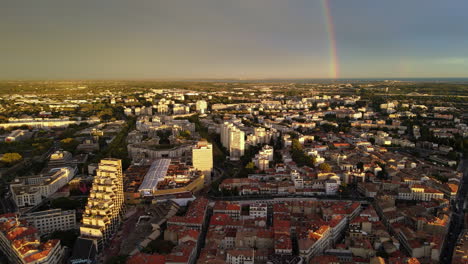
(202,158)
(105,208)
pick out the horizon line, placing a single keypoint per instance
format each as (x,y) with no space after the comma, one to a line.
(224,79)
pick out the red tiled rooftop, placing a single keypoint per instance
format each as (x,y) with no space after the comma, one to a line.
(191,233)
(141,258)
(20,232)
(43,251)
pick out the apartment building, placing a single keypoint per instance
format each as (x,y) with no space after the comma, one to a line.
(233,139)
(21,244)
(202,158)
(105,209)
(52,220)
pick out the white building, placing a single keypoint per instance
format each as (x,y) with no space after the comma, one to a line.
(297,179)
(240,256)
(201,106)
(258,210)
(17,135)
(128,111)
(52,220)
(316,243)
(267,151)
(332,185)
(236,143)
(261,136)
(224,131)
(261,163)
(29,191)
(263,158)
(233,139)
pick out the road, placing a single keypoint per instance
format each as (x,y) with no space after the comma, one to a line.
(456,222)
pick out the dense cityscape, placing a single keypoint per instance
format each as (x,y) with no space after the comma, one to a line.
(237,172)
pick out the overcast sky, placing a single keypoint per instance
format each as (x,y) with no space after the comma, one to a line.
(151,39)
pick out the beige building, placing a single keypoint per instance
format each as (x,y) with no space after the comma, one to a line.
(105,209)
(202,158)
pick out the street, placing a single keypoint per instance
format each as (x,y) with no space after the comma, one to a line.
(456,223)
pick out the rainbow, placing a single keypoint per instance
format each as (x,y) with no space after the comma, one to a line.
(333,65)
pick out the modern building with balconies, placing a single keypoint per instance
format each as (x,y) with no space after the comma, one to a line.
(105,209)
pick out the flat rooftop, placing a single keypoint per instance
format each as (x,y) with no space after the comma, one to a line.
(155,174)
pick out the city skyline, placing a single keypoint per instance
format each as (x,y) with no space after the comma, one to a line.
(243,40)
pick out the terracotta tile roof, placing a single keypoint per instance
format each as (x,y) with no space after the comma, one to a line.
(142,258)
(283,242)
(413,261)
(43,251)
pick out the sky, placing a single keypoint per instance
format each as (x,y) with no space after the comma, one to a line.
(231,39)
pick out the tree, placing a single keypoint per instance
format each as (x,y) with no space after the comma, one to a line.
(69,144)
(298,155)
(106,114)
(11,158)
(313,159)
(343,189)
(452,155)
(250,166)
(382,174)
(159,246)
(325,167)
(67,237)
(360,165)
(185,134)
